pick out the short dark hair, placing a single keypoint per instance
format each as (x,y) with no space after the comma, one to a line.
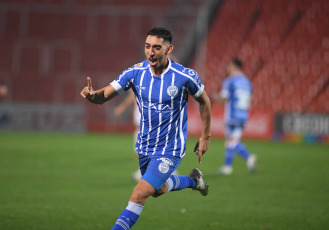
(237,63)
(161,32)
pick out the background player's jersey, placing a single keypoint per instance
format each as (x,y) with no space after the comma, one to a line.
(237,90)
(162,102)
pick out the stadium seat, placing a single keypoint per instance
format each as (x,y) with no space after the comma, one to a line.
(284,44)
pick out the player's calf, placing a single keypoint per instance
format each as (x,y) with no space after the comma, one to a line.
(251,163)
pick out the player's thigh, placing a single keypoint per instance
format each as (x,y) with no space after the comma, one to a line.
(234,131)
(159,169)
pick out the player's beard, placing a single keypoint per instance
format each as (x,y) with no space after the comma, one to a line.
(161,62)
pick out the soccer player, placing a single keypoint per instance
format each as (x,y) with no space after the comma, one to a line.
(161,88)
(236,90)
(130,99)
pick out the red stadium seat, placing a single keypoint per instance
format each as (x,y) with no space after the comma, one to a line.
(284,45)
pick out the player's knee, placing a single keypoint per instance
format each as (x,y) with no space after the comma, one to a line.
(156,194)
(161,191)
(140,195)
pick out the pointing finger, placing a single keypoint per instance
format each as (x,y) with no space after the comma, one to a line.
(89,83)
(196,147)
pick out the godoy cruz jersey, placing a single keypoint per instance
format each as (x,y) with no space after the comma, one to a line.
(162,102)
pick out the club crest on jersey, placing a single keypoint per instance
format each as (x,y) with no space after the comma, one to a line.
(172,90)
(163,167)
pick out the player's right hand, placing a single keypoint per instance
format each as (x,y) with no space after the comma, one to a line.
(88,92)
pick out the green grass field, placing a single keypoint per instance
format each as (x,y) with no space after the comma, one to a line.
(80,182)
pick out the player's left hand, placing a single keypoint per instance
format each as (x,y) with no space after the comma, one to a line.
(201,147)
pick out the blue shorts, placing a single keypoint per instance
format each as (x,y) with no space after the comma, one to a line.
(234,130)
(156,170)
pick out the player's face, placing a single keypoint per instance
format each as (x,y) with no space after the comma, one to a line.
(156,51)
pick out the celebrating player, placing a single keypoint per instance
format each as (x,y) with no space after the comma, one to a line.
(130,99)
(236,91)
(161,89)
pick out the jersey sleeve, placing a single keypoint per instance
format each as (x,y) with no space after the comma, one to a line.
(124,81)
(195,86)
(225,92)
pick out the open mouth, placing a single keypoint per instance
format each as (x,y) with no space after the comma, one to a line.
(152,61)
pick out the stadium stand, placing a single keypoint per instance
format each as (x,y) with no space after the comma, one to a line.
(48,46)
(283,44)
(44,39)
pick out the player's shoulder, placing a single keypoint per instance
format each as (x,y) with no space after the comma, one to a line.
(228,80)
(241,80)
(134,69)
(184,71)
(240,77)
(141,65)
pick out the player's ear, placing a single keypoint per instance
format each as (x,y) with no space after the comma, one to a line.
(169,49)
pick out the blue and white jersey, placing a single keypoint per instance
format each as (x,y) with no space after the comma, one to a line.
(162,102)
(237,91)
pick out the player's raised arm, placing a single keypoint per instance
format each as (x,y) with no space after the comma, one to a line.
(99,96)
(205,111)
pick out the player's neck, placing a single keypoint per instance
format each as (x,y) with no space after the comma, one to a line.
(235,72)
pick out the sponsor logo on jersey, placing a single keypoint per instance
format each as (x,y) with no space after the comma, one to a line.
(191,72)
(172,90)
(160,108)
(127,85)
(166,160)
(140,87)
(139,64)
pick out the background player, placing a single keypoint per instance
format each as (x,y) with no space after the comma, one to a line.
(129,100)
(3,91)
(236,90)
(161,88)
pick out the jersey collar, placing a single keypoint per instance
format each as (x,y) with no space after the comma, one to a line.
(164,72)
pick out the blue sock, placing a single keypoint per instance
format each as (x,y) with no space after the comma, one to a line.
(128,217)
(242,150)
(178,182)
(229,155)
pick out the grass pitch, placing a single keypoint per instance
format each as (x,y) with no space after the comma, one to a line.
(70,181)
